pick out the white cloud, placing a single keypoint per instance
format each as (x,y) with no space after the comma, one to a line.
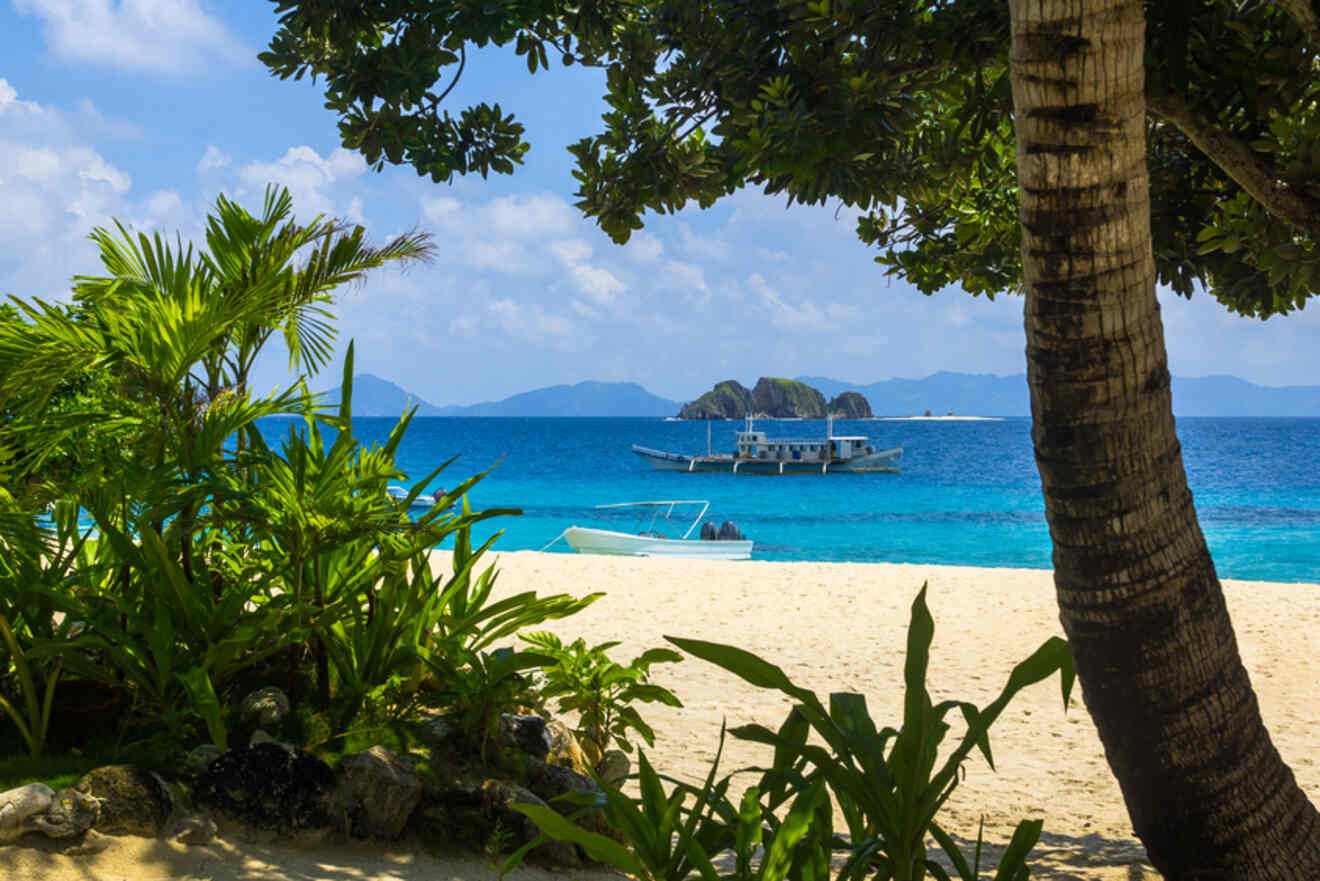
(307,175)
(464,325)
(95,124)
(55,187)
(572,251)
(526,217)
(599,284)
(583,309)
(160,36)
(703,247)
(528,320)
(686,277)
(804,315)
(213,159)
(164,203)
(644,247)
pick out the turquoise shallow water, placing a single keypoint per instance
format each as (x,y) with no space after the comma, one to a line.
(968,493)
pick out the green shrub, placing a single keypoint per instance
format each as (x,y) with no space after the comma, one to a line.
(601,691)
(888,784)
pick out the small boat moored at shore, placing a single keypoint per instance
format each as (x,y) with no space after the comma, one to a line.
(757,454)
(723,543)
(423,500)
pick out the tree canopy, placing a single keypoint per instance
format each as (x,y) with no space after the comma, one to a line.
(902,109)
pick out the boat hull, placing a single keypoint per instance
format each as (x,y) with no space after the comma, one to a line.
(879,461)
(585,540)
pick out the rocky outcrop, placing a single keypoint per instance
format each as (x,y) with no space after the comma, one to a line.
(19,806)
(499,797)
(775,398)
(728,400)
(565,750)
(526,733)
(384,790)
(265,707)
(850,405)
(787,398)
(134,801)
(268,789)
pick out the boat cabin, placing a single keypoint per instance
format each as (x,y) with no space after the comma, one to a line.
(752,444)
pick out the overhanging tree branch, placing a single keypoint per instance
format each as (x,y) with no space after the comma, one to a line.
(1303,13)
(1242,164)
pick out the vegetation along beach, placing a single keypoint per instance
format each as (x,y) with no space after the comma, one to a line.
(266,612)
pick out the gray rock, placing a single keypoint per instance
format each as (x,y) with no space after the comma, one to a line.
(193,829)
(17,805)
(549,781)
(70,813)
(134,801)
(385,788)
(614,767)
(526,733)
(201,757)
(438,730)
(267,789)
(565,750)
(499,797)
(260,736)
(266,706)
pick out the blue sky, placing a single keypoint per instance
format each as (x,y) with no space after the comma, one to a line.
(145,110)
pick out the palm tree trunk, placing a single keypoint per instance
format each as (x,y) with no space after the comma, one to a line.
(1138,595)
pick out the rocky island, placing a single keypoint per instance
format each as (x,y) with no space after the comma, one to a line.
(774,398)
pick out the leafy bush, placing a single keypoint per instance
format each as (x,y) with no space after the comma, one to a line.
(888,784)
(483,682)
(600,691)
(35,568)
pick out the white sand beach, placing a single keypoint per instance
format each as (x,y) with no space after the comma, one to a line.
(831,627)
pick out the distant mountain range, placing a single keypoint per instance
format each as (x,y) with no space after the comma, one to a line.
(964,394)
(373,396)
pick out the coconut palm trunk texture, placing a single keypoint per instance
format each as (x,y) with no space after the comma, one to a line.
(1139,598)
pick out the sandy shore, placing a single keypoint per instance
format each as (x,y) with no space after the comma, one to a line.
(832,627)
(841,627)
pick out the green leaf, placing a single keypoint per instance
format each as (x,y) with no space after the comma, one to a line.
(1013,863)
(598,847)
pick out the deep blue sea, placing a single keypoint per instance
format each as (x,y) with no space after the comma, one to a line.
(967,494)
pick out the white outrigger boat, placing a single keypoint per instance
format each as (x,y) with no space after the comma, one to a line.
(650,542)
(757,454)
(423,500)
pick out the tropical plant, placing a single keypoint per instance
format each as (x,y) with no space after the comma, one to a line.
(888,784)
(186,586)
(36,565)
(483,681)
(481,686)
(170,639)
(601,692)
(665,838)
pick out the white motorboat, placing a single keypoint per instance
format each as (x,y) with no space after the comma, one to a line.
(423,500)
(650,540)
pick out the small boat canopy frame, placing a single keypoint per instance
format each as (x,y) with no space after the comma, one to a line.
(668,505)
